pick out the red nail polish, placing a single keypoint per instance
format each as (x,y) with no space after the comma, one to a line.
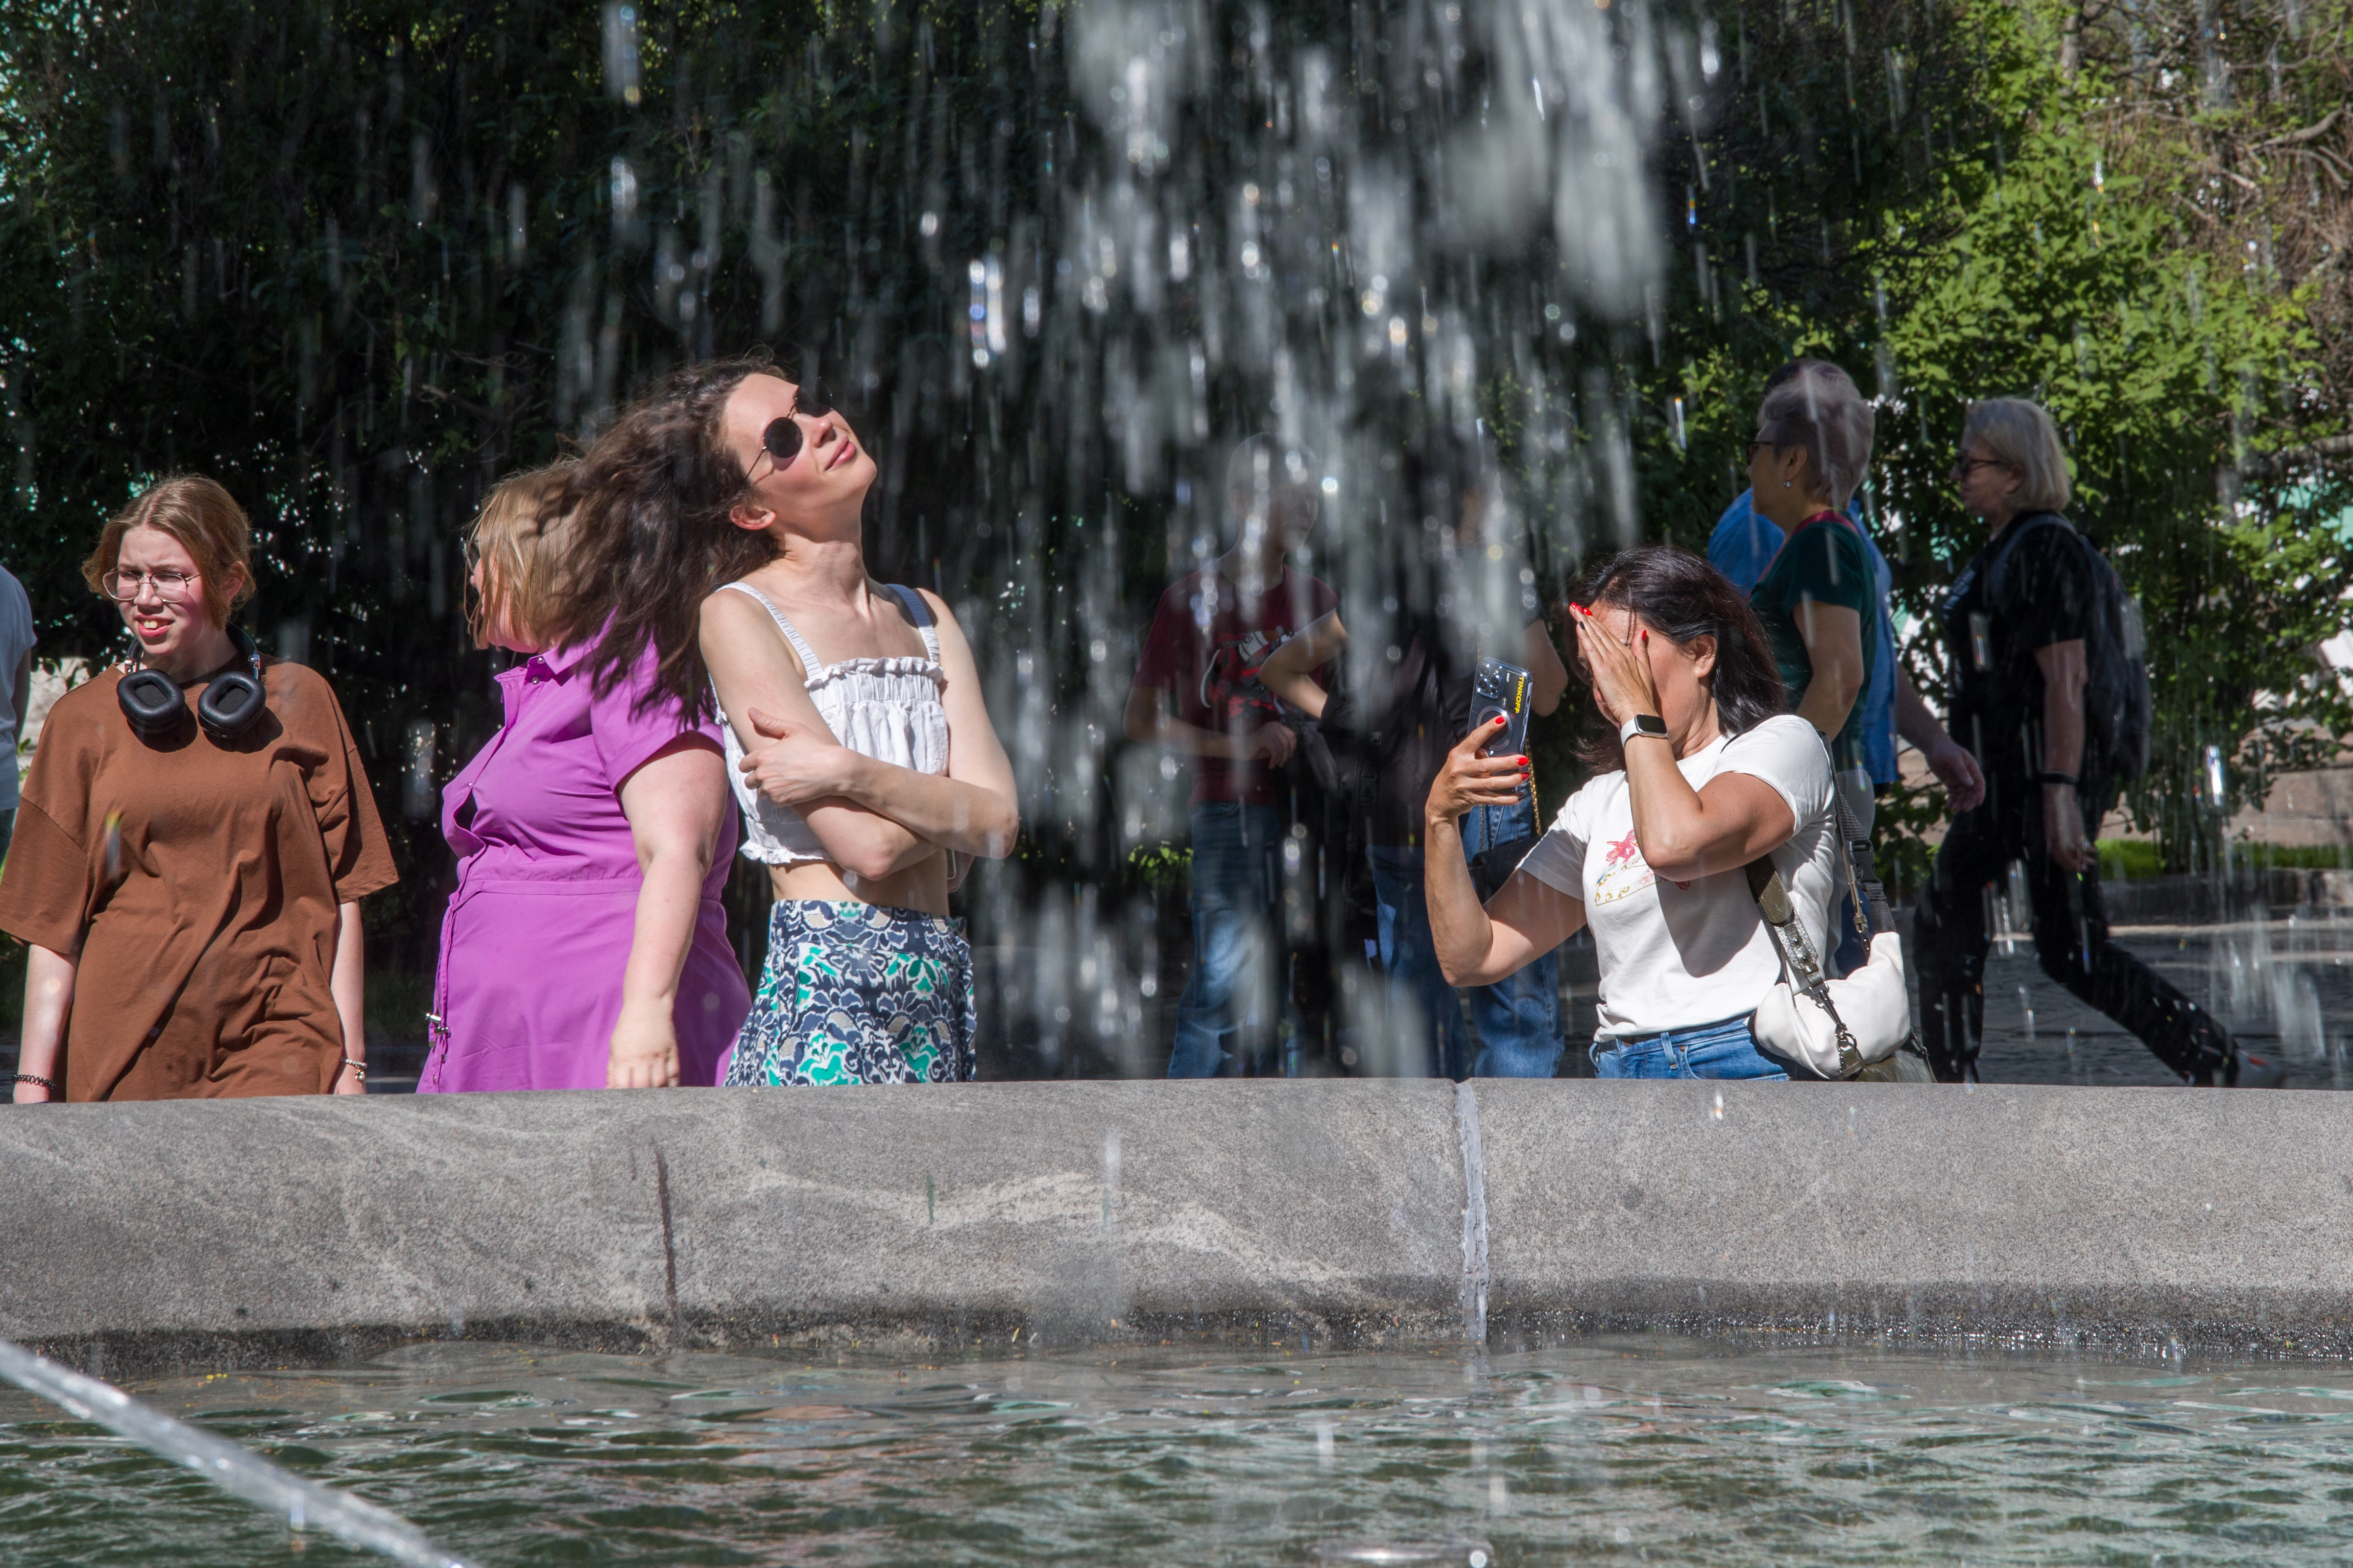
(1524,761)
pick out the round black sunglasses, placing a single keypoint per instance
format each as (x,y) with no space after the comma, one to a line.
(783,436)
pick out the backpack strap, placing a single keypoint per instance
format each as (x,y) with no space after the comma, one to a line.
(2008,546)
(921,614)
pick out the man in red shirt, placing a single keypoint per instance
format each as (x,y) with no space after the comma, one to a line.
(1196,693)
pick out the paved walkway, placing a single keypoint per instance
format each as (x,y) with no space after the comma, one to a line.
(2282,986)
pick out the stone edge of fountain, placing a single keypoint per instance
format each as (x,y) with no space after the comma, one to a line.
(222,1235)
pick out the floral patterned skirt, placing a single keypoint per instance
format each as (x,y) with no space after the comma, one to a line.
(855,993)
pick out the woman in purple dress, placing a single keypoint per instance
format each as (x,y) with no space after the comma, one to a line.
(584,947)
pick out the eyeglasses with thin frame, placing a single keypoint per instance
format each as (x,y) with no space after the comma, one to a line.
(1967,465)
(172,587)
(782,440)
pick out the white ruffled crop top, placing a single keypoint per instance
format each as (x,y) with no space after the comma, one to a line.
(887,709)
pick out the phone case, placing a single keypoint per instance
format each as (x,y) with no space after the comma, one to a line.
(1501,688)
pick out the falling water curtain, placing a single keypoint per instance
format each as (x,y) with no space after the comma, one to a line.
(360,260)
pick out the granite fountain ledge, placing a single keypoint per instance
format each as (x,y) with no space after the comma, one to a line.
(141,1237)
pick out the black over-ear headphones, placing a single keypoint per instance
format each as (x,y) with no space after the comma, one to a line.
(230,709)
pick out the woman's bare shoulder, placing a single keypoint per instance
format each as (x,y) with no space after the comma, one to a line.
(733,613)
(740,637)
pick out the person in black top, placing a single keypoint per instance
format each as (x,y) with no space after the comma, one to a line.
(2016,623)
(1445,589)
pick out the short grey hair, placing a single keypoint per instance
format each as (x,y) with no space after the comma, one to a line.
(2019,434)
(1816,408)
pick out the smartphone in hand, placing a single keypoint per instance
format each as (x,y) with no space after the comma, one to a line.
(1502,690)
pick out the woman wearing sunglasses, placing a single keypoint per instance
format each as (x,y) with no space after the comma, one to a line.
(864,759)
(194,839)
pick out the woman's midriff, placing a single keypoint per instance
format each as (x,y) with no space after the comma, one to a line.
(923,886)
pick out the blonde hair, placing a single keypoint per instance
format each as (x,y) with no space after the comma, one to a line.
(205,519)
(520,549)
(2019,434)
(1817,407)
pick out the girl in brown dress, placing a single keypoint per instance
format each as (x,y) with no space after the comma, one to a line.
(194,838)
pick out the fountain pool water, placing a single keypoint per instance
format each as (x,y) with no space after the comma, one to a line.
(1624,1451)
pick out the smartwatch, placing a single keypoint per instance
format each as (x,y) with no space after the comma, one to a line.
(1648,725)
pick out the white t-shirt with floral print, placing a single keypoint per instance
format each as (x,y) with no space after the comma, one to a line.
(1674,955)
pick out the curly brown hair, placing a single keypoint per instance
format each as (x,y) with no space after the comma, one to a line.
(647,508)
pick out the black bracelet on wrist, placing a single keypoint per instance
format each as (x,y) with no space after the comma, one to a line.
(49,1084)
(2070,780)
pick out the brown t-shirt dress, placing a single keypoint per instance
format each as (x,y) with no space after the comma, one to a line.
(195,886)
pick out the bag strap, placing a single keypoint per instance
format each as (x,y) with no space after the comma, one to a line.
(1873,913)
(2006,546)
(1797,952)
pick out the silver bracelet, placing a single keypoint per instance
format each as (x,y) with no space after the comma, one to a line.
(359,1069)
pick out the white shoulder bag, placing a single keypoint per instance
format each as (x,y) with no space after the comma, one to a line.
(1860,1026)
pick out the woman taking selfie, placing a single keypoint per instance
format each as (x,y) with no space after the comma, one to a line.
(194,838)
(865,762)
(1700,774)
(584,946)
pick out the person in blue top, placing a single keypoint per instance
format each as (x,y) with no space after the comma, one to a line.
(1745,541)
(1814,425)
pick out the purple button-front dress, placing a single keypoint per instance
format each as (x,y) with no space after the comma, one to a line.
(538,932)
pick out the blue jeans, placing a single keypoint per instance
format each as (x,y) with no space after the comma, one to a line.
(1708,1050)
(1237,877)
(1518,1018)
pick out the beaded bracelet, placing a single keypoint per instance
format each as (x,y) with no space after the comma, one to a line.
(49,1084)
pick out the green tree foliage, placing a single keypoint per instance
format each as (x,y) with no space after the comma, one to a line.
(2036,242)
(359,258)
